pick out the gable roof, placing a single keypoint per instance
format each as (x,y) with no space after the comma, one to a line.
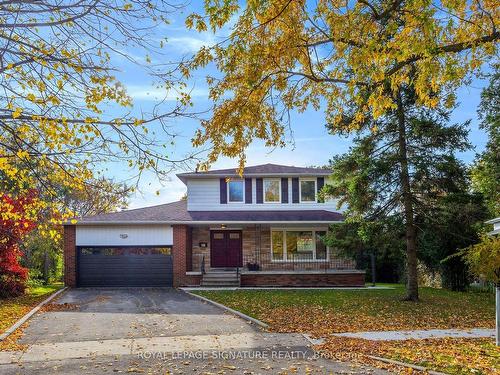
(262,170)
(177,213)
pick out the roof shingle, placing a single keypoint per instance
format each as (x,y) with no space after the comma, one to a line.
(176,212)
(259,170)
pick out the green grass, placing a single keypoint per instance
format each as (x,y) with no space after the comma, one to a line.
(11,309)
(352,310)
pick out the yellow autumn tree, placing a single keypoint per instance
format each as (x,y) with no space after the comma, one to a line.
(351,59)
(57,79)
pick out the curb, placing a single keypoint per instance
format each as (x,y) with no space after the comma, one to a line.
(26,317)
(404,364)
(228,309)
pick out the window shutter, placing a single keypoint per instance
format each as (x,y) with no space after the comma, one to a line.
(295,190)
(259,190)
(284,190)
(223,191)
(248,190)
(319,186)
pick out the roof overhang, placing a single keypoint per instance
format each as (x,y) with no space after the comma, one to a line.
(493,221)
(209,222)
(185,176)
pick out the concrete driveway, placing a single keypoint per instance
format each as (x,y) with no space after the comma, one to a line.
(155,330)
(120,313)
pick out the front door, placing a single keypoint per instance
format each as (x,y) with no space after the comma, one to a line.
(225,248)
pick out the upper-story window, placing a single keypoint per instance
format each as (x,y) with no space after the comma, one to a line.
(235,191)
(272,191)
(307,190)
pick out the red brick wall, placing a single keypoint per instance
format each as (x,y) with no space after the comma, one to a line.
(181,250)
(70,255)
(304,279)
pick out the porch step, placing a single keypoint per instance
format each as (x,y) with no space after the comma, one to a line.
(220,278)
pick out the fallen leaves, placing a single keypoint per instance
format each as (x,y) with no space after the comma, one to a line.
(12,309)
(454,356)
(323,312)
(60,307)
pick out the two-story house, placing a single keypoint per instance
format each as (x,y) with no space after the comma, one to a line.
(262,229)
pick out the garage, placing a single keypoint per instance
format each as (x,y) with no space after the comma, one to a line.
(124,255)
(124,266)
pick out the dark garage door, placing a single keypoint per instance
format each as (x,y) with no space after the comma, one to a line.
(124,266)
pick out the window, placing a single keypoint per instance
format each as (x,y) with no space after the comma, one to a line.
(234,236)
(308,190)
(277,245)
(123,251)
(321,249)
(298,245)
(235,191)
(272,191)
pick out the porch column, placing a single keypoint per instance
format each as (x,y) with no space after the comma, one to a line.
(69,237)
(181,250)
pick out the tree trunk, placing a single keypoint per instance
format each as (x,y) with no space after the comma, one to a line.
(497,315)
(407,198)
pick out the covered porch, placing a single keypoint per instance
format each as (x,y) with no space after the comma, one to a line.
(270,255)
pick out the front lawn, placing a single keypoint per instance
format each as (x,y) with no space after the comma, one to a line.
(11,309)
(323,312)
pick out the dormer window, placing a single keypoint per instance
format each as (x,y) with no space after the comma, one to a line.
(308,190)
(235,191)
(272,191)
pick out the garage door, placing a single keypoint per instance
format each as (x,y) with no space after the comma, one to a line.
(124,266)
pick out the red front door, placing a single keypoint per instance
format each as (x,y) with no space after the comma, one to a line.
(225,248)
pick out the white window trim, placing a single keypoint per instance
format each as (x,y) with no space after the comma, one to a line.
(243,186)
(315,190)
(264,190)
(285,255)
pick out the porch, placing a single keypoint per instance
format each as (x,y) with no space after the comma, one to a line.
(270,255)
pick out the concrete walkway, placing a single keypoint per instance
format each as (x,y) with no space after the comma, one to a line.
(420,334)
(136,346)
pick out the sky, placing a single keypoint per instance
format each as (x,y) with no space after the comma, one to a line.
(312,144)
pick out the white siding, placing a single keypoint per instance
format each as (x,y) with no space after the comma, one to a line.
(137,235)
(203,195)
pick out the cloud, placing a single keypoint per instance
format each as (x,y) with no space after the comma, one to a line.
(154,93)
(189,44)
(170,191)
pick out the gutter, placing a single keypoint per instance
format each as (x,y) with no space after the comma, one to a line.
(205,222)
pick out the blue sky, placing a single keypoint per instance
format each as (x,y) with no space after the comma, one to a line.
(312,144)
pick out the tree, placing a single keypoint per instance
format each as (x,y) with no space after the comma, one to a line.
(452,223)
(400,169)
(16,221)
(483,259)
(351,58)
(100,196)
(486,169)
(58,61)
(384,238)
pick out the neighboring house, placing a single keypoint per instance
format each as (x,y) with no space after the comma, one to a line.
(496,226)
(264,229)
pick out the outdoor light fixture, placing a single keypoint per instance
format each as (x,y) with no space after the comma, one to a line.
(223,226)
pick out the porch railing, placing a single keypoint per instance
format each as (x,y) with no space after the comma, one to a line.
(294,261)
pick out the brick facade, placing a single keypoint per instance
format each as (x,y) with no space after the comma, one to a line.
(70,255)
(256,241)
(181,249)
(355,278)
